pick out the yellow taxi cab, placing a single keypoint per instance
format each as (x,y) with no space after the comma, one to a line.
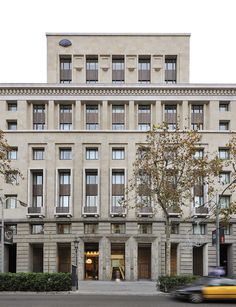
(209,289)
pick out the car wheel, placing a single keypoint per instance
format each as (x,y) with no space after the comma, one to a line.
(195,298)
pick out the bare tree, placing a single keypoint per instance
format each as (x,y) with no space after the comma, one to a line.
(166,172)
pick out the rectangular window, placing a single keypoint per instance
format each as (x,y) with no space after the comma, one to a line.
(12,153)
(37,229)
(90,228)
(118,181)
(38,117)
(65,69)
(12,228)
(92,117)
(65,117)
(118,153)
(170,69)
(11,201)
(118,177)
(91,69)
(91,153)
(223,125)
(197,117)
(63,228)
(118,117)
(12,106)
(38,153)
(224,201)
(174,229)
(144,228)
(224,153)
(37,192)
(12,125)
(199,153)
(171,116)
(144,67)
(118,228)
(91,177)
(199,229)
(118,69)
(224,177)
(144,117)
(64,189)
(65,153)
(223,106)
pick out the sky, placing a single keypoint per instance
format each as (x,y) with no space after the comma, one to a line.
(211,23)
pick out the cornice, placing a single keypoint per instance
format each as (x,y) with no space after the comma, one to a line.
(37,90)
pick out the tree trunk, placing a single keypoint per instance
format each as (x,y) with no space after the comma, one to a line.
(168,247)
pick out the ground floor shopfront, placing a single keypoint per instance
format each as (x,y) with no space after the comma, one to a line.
(107,259)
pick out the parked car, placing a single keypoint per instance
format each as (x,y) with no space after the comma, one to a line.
(208,289)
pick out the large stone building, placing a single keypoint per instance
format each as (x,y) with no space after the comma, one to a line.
(75,138)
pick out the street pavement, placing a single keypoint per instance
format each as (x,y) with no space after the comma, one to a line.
(82,300)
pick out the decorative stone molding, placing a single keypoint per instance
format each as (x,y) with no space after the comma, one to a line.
(58,90)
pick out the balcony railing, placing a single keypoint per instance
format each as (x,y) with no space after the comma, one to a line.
(90,210)
(117,210)
(200,211)
(172,211)
(36,211)
(63,211)
(144,211)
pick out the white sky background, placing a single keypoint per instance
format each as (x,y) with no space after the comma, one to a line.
(212,24)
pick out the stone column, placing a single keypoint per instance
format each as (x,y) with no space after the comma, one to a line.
(104,116)
(131,116)
(50,116)
(155,254)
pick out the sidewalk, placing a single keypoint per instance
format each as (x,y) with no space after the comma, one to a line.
(117,288)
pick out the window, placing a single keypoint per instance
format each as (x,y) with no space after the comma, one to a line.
(12,154)
(91,153)
(198,201)
(90,228)
(144,228)
(91,69)
(144,69)
(118,177)
(224,177)
(227,229)
(199,153)
(224,153)
(171,116)
(65,117)
(224,201)
(117,228)
(38,153)
(118,153)
(64,189)
(223,106)
(197,117)
(37,229)
(92,117)
(63,228)
(223,125)
(12,228)
(12,125)
(199,229)
(38,117)
(91,189)
(174,229)
(170,69)
(118,117)
(118,69)
(11,201)
(12,106)
(37,189)
(65,69)
(65,153)
(144,117)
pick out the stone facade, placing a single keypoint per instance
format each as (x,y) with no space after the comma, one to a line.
(53,147)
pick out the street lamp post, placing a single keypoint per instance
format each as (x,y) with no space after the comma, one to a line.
(218,204)
(3,204)
(76,245)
